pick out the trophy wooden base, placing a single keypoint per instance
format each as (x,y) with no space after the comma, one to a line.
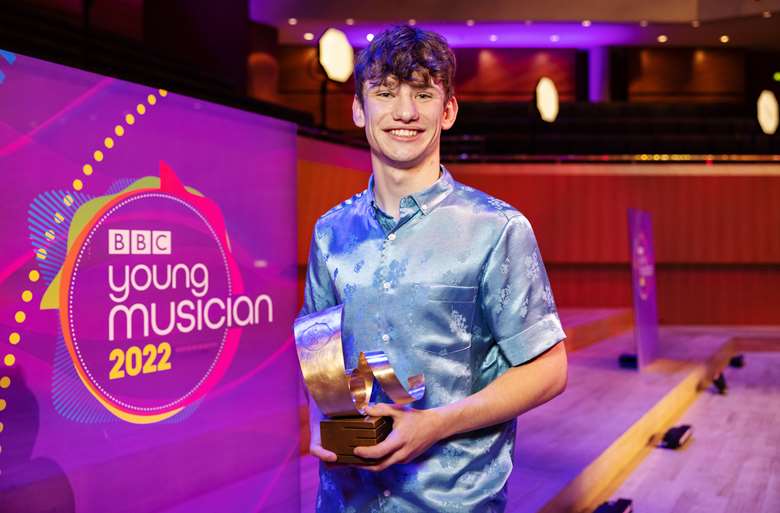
(342,435)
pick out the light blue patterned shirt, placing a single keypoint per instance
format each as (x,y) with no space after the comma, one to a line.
(456,290)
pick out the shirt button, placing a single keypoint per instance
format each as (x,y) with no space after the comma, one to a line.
(386,285)
(386,493)
(391,236)
(385,337)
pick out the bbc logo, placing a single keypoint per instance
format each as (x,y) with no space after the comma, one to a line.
(139,242)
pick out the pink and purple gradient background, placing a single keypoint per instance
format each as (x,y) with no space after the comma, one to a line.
(237,450)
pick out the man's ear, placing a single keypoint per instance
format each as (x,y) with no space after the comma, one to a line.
(450,113)
(358,116)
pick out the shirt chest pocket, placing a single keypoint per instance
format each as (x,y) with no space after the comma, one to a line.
(446,319)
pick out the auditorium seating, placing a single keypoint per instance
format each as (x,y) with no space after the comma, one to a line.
(508,129)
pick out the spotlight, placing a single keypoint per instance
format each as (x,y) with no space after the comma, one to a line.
(766,14)
(663,38)
(493,38)
(469,23)
(695,24)
(412,22)
(308,36)
(547,99)
(336,55)
(643,23)
(618,506)
(767,111)
(586,23)
(350,21)
(676,437)
(737,361)
(292,21)
(720,383)
(369,37)
(724,39)
(555,38)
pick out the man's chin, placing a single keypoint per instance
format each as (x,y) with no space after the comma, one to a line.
(402,161)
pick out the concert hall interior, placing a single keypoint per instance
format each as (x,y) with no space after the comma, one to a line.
(208,141)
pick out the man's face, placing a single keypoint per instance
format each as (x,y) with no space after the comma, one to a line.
(403,121)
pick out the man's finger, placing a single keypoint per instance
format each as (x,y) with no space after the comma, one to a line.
(394,458)
(325,455)
(384,410)
(380,450)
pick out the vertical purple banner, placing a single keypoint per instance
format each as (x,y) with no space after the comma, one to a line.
(640,233)
(147,289)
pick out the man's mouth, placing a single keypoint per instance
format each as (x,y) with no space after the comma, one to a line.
(404,132)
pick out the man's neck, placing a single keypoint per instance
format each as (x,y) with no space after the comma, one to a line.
(392,183)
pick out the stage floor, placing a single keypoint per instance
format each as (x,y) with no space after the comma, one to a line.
(732,463)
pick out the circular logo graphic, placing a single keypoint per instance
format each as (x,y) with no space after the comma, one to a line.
(146,305)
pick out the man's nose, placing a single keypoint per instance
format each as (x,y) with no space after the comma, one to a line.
(405,108)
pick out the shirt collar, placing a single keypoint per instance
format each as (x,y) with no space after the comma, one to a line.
(426,200)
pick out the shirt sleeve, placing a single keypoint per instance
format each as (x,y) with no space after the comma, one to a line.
(319,292)
(517,301)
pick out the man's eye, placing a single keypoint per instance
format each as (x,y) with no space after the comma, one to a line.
(425,96)
(384,94)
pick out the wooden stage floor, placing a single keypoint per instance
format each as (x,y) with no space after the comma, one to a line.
(732,463)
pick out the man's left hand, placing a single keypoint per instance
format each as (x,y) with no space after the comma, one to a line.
(414,431)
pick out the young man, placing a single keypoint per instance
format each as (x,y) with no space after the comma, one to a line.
(445,279)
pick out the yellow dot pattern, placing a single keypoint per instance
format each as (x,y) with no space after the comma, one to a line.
(119,131)
(9,360)
(20,316)
(27,296)
(5,382)
(2,404)
(14,338)
(33,276)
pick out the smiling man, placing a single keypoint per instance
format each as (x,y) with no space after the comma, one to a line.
(445,279)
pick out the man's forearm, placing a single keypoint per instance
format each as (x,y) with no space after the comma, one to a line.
(518,390)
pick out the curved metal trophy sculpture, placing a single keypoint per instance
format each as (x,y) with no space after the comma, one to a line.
(343,395)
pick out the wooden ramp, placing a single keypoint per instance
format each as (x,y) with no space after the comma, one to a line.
(575,451)
(732,463)
(586,326)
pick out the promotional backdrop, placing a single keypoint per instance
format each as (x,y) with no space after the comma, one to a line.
(147,289)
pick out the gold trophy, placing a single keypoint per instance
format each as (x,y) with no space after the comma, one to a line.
(342,395)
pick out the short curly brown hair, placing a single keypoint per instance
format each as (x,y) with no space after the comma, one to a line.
(408,54)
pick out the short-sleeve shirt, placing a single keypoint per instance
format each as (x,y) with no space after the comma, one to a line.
(454,289)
